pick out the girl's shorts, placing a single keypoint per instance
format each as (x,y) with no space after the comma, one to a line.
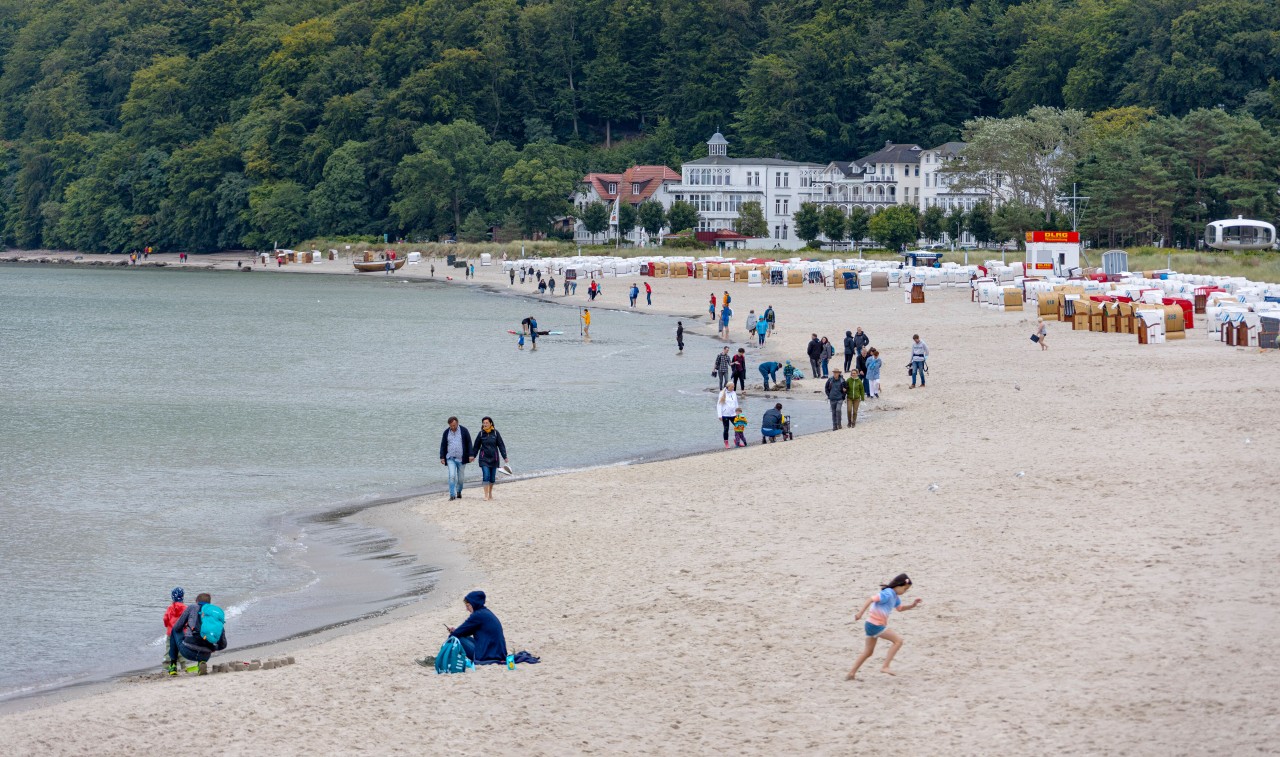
(874,630)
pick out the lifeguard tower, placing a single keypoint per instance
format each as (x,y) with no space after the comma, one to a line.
(1052,252)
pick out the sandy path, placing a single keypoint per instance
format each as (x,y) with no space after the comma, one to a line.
(1116,599)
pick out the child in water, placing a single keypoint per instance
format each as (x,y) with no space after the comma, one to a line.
(739,429)
(882,604)
(520,341)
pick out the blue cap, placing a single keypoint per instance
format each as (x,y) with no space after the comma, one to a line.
(177,594)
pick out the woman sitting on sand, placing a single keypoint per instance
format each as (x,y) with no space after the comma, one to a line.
(888,600)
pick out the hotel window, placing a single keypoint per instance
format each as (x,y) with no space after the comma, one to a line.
(635,188)
(777,232)
(613,188)
(777,207)
(786,207)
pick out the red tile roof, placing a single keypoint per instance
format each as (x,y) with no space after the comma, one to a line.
(649,179)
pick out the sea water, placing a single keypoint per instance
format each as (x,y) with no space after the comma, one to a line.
(207,430)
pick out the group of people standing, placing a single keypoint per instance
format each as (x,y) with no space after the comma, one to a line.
(457,449)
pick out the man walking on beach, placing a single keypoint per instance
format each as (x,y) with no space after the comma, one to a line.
(836,392)
(721,370)
(455,448)
(648,294)
(850,351)
(815,356)
(860,343)
(680,336)
(919,355)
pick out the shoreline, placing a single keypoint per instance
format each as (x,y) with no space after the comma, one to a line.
(667,599)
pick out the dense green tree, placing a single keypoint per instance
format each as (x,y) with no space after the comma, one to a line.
(956,224)
(278,214)
(474,228)
(833,224)
(340,202)
(858,224)
(682,216)
(539,192)
(595,218)
(807,221)
(628,219)
(894,226)
(652,217)
(932,223)
(1013,220)
(980,223)
(751,221)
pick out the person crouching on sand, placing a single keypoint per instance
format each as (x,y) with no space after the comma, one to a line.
(882,604)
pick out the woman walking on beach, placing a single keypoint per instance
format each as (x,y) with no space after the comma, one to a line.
(726,408)
(1042,331)
(486,449)
(873,373)
(882,604)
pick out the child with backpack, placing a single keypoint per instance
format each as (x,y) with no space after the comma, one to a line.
(197,633)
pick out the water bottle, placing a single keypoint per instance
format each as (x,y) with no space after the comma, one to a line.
(511,662)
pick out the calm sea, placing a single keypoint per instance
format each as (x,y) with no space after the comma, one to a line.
(198,429)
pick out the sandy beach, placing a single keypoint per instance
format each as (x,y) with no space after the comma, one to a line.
(1117,598)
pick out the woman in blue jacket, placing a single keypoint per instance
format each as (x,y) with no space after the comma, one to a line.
(481,633)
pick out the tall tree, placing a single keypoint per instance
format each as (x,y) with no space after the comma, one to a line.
(652,217)
(808,221)
(682,216)
(595,218)
(751,221)
(833,224)
(894,227)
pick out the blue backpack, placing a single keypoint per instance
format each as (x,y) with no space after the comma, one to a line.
(452,657)
(212,619)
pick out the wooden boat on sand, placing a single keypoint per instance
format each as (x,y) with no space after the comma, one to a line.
(378,265)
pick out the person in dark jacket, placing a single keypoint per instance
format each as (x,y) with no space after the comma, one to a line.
(836,392)
(185,642)
(481,633)
(850,351)
(815,356)
(771,425)
(486,450)
(455,452)
(860,341)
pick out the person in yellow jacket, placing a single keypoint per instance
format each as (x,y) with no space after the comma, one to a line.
(586,323)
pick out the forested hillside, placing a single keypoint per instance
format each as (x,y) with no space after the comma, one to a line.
(221,123)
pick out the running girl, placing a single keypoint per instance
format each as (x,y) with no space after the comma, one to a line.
(888,600)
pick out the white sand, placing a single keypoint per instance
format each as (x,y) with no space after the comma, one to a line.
(1119,598)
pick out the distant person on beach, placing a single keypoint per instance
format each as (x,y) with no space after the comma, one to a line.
(573,285)
(520,341)
(551,285)
(873,373)
(1042,331)
(680,335)
(815,356)
(771,425)
(721,368)
(788,373)
(488,447)
(762,327)
(522,276)
(481,633)
(194,636)
(648,294)
(726,298)
(566,288)
(828,352)
(388,267)
(751,323)
(882,605)
(919,360)
(769,370)
(512,274)
(542,287)
(854,394)
(633,294)
(586,323)
(725,315)
(726,408)
(769,317)
(850,351)
(860,365)
(739,370)
(455,452)
(835,391)
(712,308)
(533,333)
(739,429)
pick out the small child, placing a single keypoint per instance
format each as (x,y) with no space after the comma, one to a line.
(739,429)
(520,341)
(786,428)
(170,616)
(788,372)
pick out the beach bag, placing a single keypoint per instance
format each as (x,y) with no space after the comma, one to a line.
(452,657)
(1035,337)
(212,620)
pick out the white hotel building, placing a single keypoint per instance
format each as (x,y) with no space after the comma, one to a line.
(717,185)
